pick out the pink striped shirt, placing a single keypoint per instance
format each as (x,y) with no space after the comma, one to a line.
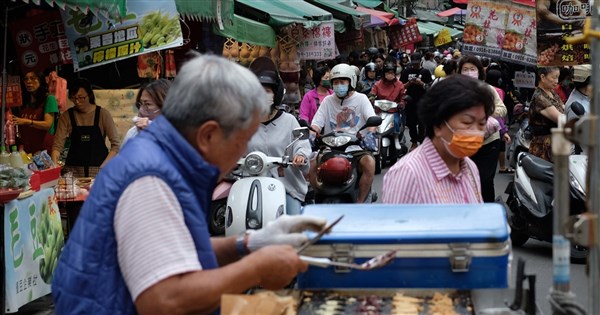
(423,177)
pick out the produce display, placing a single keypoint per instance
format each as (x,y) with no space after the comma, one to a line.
(158,29)
(51,237)
(243,53)
(430,303)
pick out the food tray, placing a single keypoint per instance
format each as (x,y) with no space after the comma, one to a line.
(380,302)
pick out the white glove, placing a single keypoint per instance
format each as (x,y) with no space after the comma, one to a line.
(286,230)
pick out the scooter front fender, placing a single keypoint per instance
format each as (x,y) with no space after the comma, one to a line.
(252,203)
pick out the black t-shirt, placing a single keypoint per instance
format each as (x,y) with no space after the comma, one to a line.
(415,91)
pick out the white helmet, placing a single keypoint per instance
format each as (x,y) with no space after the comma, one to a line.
(344,71)
(581,72)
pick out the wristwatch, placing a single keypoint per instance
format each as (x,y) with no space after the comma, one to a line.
(241,244)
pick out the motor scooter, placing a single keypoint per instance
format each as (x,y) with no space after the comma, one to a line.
(387,151)
(521,140)
(337,171)
(257,198)
(218,205)
(530,199)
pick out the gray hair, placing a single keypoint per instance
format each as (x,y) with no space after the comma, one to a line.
(214,88)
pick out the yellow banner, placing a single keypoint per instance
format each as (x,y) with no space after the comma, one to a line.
(443,38)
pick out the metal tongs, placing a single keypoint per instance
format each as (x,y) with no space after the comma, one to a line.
(317,237)
(373,263)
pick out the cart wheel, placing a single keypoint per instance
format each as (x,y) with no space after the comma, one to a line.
(579,254)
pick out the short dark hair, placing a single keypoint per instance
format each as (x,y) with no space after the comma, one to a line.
(474,61)
(450,66)
(545,71)
(318,74)
(81,83)
(450,96)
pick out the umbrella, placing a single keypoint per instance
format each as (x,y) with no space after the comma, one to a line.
(453,11)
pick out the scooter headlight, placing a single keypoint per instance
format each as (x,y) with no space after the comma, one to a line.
(254,164)
(336,141)
(575,184)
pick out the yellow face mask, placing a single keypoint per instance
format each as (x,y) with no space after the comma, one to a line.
(464,142)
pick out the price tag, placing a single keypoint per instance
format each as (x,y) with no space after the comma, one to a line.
(524,79)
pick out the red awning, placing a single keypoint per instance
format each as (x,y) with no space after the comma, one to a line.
(451,12)
(387,17)
(461,1)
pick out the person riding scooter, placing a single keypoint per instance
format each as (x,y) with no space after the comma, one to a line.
(347,111)
(370,79)
(391,89)
(275,134)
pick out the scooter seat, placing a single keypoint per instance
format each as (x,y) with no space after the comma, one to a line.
(537,168)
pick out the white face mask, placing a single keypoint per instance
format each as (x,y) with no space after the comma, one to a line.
(472,73)
(270,99)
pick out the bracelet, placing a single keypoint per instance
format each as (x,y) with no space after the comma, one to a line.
(241,244)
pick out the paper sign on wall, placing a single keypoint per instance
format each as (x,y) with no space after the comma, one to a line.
(524,79)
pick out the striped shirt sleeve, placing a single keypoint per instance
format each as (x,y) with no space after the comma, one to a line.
(153,242)
(401,186)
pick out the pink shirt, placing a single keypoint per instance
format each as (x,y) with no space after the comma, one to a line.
(423,177)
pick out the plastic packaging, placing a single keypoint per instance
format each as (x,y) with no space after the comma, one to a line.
(24,156)
(4,156)
(9,129)
(16,160)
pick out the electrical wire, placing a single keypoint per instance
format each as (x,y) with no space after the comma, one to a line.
(563,303)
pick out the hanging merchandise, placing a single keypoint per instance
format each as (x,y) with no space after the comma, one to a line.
(147,27)
(13,91)
(57,86)
(170,67)
(148,65)
(288,53)
(404,35)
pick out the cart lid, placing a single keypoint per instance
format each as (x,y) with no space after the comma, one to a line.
(410,224)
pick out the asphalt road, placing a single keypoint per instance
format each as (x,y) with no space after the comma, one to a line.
(537,256)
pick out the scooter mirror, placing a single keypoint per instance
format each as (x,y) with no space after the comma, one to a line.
(373,121)
(577,108)
(301,133)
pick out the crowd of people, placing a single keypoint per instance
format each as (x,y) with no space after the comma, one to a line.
(135,251)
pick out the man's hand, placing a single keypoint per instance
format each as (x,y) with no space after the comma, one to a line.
(276,265)
(299,161)
(285,230)
(141,122)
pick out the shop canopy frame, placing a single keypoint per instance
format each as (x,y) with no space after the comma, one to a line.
(353,18)
(248,31)
(111,8)
(434,29)
(278,13)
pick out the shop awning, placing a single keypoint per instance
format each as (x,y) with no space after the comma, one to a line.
(216,11)
(112,8)
(371,4)
(352,17)
(386,17)
(245,30)
(451,12)
(434,29)
(280,13)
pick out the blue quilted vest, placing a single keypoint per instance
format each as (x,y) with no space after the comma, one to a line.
(87,279)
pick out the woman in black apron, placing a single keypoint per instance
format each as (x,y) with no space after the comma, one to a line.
(89,126)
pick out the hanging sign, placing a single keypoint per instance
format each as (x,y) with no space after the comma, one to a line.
(33,241)
(96,40)
(524,79)
(40,41)
(13,91)
(520,42)
(443,38)
(403,35)
(484,27)
(317,43)
(557,20)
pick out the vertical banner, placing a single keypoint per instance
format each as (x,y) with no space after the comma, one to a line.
(33,241)
(557,20)
(520,42)
(40,41)
(485,27)
(402,36)
(148,26)
(317,43)
(13,91)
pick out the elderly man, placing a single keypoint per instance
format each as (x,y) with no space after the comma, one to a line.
(141,243)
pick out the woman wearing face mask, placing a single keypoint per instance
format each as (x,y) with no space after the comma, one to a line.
(545,109)
(454,113)
(275,134)
(36,118)
(391,89)
(486,158)
(86,125)
(149,103)
(311,101)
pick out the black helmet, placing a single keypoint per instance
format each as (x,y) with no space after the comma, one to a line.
(389,66)
(373,51)
(370,67)
(266,71)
